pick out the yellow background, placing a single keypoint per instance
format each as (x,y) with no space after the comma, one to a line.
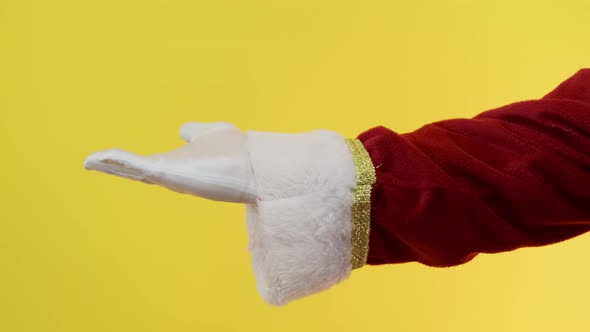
(83,251)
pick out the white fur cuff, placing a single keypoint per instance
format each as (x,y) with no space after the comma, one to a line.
(300,228)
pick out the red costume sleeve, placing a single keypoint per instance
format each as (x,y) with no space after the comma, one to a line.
(512,177)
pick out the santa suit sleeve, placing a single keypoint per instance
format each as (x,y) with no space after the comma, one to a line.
(512,177)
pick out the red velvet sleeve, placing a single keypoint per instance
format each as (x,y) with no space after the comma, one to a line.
(511,177)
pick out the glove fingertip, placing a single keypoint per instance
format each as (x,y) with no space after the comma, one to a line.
(91,160)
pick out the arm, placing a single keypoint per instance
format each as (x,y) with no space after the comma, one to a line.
(511,177)
(320,205)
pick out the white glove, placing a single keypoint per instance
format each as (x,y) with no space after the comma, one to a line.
(297,189)
(214,164)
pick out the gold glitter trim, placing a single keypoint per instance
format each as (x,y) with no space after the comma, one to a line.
(361,204)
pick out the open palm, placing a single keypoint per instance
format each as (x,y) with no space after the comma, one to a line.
(214,164)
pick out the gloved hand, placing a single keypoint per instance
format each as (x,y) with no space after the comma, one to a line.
(297,189)
(214,164)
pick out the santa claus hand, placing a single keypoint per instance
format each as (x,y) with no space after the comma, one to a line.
(214,164)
